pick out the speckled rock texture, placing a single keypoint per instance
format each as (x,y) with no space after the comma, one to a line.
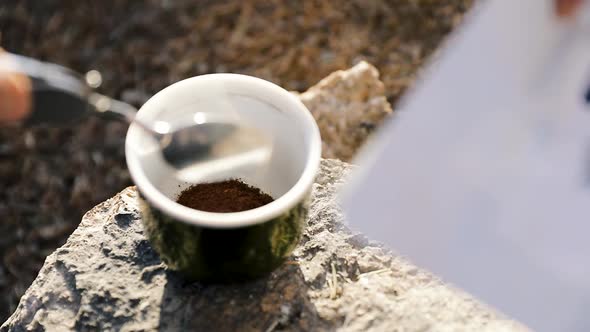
(108,278)
(347,105)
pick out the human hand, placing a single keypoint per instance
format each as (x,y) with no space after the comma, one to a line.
(15,92)
(567,8)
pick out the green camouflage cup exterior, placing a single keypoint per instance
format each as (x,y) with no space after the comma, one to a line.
(222,254)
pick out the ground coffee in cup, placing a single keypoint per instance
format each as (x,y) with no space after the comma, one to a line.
(226,196)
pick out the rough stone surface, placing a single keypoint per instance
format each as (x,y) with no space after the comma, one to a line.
(107,277)
(347,106)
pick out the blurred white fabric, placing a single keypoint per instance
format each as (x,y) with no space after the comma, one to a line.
(484,177)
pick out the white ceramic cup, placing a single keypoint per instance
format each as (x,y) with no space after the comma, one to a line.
(227,246)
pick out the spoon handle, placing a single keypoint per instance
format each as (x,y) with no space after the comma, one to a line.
(103,104)
(59,95)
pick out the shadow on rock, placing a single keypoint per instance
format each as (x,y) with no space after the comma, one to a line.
(276,302)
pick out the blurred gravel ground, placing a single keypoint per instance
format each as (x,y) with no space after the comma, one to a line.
(49,177)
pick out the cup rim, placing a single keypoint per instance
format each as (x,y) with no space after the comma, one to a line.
(259,215)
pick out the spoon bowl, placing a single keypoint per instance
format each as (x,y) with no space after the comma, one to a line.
(207,143)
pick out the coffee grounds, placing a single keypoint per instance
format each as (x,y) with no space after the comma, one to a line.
(226,196)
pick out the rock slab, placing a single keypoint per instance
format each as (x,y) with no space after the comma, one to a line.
(107,277)
(348,105)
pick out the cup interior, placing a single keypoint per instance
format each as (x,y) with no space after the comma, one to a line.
(293,133)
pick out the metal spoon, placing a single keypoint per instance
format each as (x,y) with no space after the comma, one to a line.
(62,95)
(210,138)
